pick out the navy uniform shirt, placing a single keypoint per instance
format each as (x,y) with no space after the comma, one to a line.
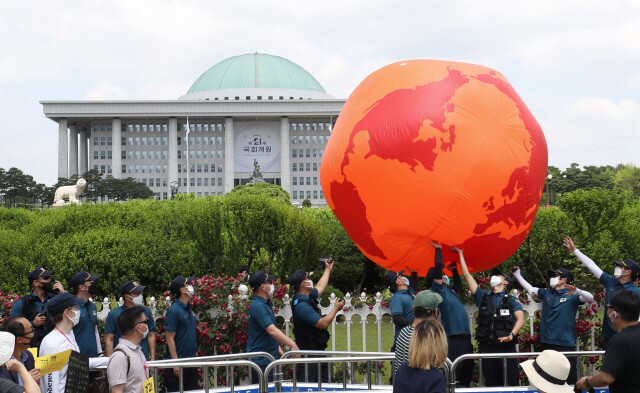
(415,380)
(558,322)
(261,316)
(515,304)
(611,285)
(452,313)
(401,303)
(112,327)
(303,313)
(85,330)
(38,305)
(181,319)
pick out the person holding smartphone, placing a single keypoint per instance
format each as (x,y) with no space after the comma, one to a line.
(32,306)
(309,326)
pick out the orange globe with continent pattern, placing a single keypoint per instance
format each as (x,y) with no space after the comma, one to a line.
(427,150)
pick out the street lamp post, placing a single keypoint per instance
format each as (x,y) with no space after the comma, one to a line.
(546,181)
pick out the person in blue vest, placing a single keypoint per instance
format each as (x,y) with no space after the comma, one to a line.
(264,335)
(86,331)
(309,326)
(454,318)
(559,308)
(500,318)
(132,295)
(180,327)
(401,303)
(32,306)
(624,277)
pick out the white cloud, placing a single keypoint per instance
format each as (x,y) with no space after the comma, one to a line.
(106,90)
(574,62)
(607,110)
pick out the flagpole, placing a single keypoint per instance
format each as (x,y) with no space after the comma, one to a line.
(188,166)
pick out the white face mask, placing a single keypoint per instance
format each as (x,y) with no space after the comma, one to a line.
(272,289)
(308,284)
(76,318)
(190,290)
(617,273)
(613,316)
(138,300)
(553,282)
(495,280)
(144,335)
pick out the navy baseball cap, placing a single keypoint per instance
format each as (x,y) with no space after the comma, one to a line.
(131,287)
(391,277)
(180,282)
(562,272)
(61,302)
(629,264)
(39,274)
(258,278)
(81,278)
(497,272)
(298,277)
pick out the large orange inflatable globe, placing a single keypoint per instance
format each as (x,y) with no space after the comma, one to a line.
(427,150)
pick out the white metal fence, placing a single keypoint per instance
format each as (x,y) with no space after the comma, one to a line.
(349,312)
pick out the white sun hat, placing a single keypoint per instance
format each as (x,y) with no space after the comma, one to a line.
(549,372)
(7,343)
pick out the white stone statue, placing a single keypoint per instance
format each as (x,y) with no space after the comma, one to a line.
(69,192)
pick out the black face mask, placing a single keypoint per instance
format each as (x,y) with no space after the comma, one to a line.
(93,289)
(47,286)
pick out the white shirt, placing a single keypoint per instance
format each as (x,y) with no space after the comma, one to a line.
(56,342)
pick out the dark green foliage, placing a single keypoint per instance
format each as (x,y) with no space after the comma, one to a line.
(153,241)
(603,223)
(20,190)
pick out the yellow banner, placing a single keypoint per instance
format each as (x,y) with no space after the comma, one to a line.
(54,362)
(34,351)
(148,386)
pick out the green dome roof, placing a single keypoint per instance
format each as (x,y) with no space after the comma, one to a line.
(256,71)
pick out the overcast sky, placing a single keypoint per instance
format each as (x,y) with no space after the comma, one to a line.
(576,64)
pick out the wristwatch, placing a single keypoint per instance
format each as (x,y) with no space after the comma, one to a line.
(587,384)
(512,335)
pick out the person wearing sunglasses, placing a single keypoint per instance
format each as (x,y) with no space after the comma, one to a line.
(624,276)
(127,370)
(23,332)
(32,306)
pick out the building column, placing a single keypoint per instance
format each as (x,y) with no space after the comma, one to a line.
(229,170)
(84,155)
(173,152)
(63,149)
(73,150)
(116,148)
(285,170)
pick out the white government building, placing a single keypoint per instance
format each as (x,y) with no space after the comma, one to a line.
(247,107)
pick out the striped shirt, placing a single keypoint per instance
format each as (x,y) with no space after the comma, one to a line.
(402,347)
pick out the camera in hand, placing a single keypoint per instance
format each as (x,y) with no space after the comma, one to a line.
(329,260)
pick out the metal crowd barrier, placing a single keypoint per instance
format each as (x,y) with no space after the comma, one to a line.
(344,357)
(386,356)
(451,380)
(352,378)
